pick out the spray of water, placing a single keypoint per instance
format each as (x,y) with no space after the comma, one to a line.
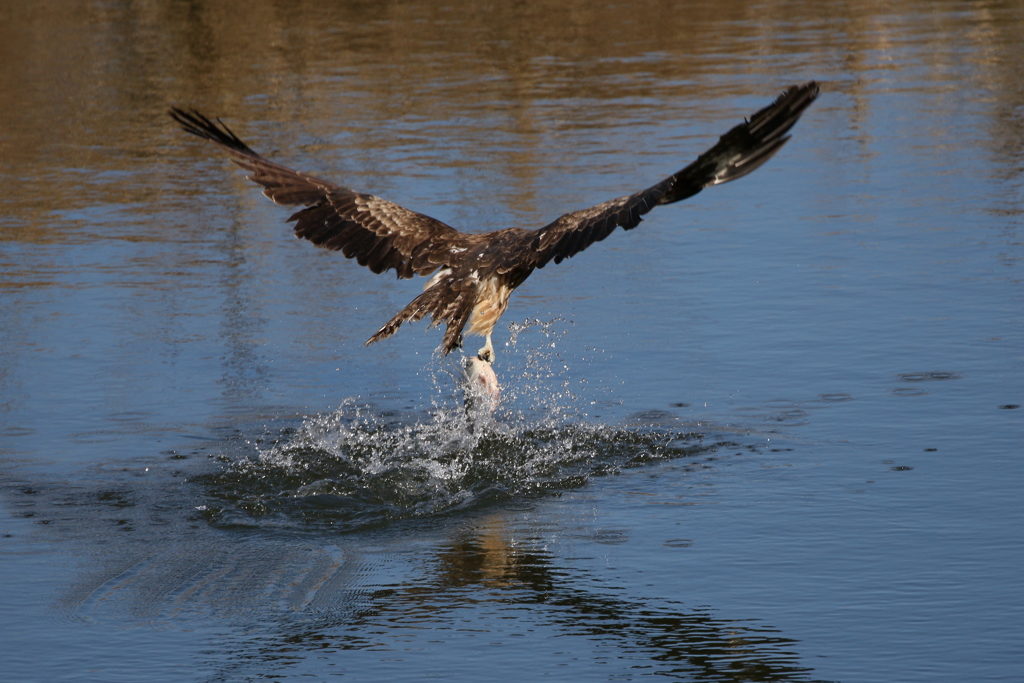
(358,466)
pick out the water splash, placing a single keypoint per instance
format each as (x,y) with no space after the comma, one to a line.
(355,468)
(361,466)
(535,379)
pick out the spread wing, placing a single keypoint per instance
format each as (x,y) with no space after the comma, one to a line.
(377,233)
(738,152)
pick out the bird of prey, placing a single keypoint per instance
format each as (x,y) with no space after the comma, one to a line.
(472,275)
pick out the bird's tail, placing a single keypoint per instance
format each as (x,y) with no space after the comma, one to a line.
(446,302)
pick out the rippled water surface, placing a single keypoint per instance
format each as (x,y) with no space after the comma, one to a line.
(772,434)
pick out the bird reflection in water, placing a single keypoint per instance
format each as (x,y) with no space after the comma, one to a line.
(323,592)
(487,565)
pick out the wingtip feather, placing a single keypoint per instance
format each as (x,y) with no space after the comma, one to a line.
(194,122)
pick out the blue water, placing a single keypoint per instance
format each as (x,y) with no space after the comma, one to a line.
(772,434)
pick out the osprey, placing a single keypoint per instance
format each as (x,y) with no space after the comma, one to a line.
(472,275)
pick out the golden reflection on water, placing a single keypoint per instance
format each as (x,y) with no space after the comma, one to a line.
(379,87)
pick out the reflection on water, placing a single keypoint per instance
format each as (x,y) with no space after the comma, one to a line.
(265,563)
(175,476)
(684,643)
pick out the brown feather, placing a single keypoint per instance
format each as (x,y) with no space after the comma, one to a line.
(373,216)
(482,270)
(738,152)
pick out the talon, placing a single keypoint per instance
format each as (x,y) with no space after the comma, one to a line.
(486,353)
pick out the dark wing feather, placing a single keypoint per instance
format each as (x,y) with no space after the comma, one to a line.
(738,152)
(450,300)
(377,233)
